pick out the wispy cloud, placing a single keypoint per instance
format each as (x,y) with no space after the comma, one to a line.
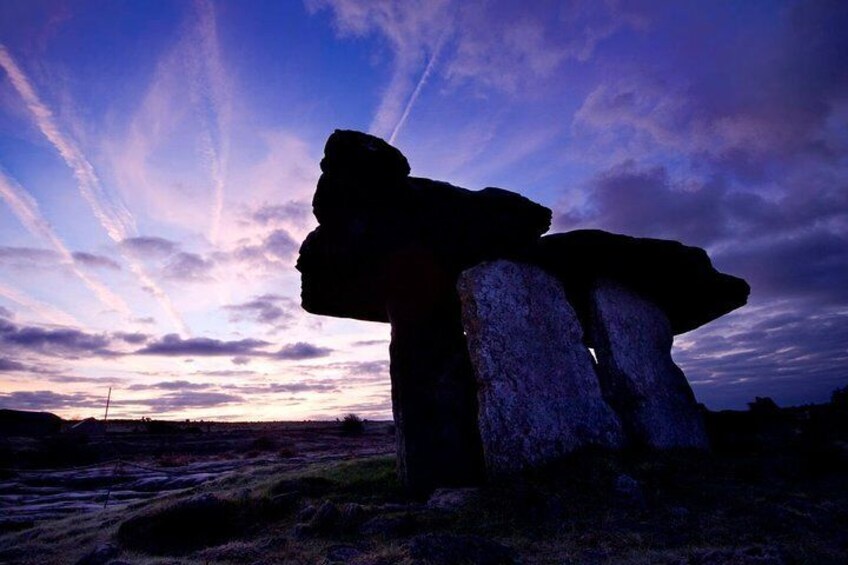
(211,93)
(26,209)
(45,311)
(112,215)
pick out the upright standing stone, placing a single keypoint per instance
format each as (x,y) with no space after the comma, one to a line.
(633,338)
(538,395)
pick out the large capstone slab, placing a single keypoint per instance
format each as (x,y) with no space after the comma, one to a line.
(383,235)
(651,395)
(678,278)
(538,394)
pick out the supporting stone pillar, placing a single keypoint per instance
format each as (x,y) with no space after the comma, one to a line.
(434,402)
(651,395)
(538,393)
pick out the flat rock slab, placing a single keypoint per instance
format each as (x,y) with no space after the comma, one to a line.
(386,237)
(538,394)
(678,278)
(651,395)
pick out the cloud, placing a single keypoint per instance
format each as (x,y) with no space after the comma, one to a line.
(293,212)
(45,311)
(6,313)
(112,215)
(288,388)
(275,249)
(187,399)
(95,261)
(302,350)
(179,385)
(61,342)
(791,351)
(496,45)
(174,345)
(9,365)
(188,267)
(134,338)
(24,206)
(150,246)
(23,255)
(370,342)
(226,373)
(271,309)
(48,400)
(812,264)
(701,106)
(32,256)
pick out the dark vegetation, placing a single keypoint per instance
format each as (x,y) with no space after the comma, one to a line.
(352,425)
(774,489)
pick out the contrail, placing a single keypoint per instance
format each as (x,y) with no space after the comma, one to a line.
(26,209)
(115,218)
(216,121)
(45,311)
(414,96)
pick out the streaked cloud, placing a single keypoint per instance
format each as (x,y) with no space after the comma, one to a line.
(174,345)
(113,216)
(302,350)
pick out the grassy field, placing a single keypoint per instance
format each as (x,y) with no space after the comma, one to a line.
(774,490)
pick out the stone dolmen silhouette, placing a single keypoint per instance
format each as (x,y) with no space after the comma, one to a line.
(491,322)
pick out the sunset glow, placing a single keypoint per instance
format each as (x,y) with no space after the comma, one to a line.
(158,159)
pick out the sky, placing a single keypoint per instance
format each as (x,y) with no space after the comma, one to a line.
(158,159)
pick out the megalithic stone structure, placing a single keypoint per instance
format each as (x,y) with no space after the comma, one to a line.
(390,248)
(536,385)
(632,296)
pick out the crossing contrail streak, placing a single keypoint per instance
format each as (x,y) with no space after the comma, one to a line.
(24,206)
(414,96)
(115,218)
(215,118)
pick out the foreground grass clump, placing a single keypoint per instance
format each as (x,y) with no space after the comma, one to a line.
(186,525)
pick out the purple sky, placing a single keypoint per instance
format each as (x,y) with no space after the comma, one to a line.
(157,161)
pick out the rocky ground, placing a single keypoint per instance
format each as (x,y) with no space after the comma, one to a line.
(773,490)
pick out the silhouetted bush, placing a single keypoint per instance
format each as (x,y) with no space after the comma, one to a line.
(352,425)
(763,405)
(839,398)
(159,427)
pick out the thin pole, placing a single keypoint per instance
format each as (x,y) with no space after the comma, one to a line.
(108,398)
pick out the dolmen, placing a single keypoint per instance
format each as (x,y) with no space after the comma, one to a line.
(492,323)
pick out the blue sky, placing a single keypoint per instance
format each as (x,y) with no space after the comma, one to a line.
(157,161)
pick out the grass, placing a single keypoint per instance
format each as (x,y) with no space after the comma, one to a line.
(779,500)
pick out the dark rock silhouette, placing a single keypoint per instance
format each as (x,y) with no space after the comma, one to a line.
(678,278)
(538,393)
(391,248)
(22,423)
